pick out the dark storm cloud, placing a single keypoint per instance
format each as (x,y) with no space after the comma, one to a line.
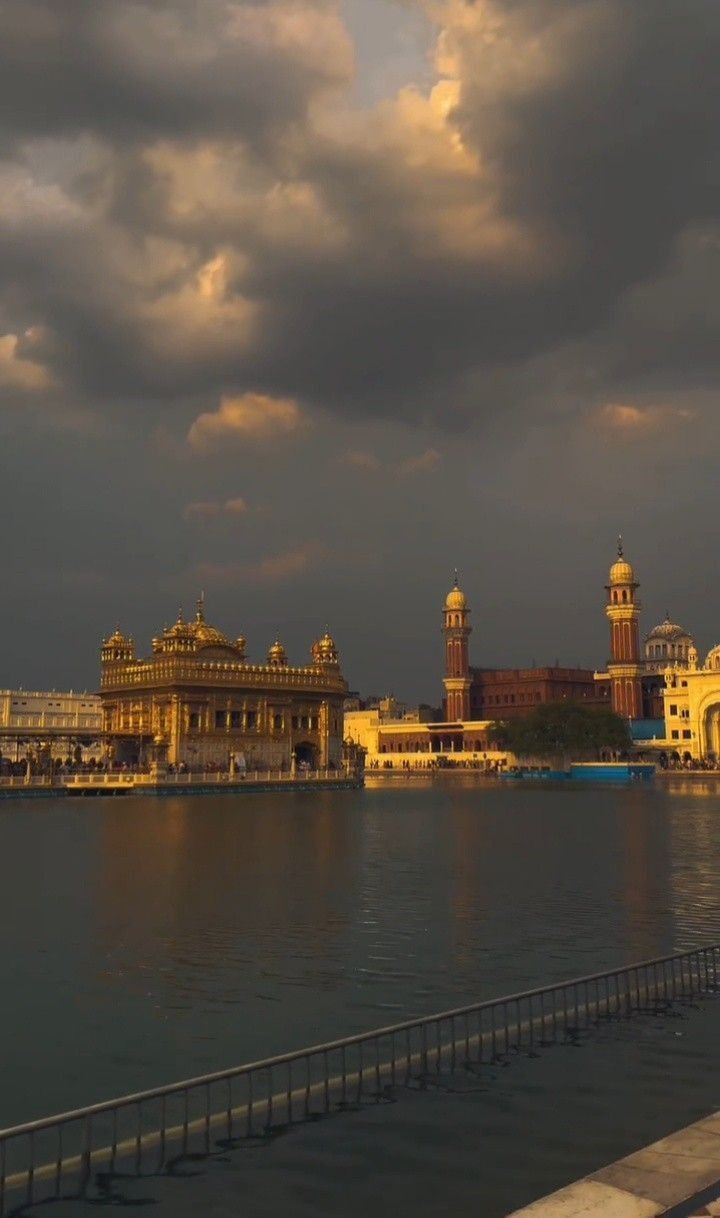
(191,211)
(175,68)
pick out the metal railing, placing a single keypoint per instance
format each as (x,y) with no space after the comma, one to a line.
(129,778)
(146,1131)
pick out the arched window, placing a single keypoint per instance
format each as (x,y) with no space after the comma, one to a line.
(624,595)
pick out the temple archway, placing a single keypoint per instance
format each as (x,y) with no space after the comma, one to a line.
(709,741)
(306,755)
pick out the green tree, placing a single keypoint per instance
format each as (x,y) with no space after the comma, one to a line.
(562,731)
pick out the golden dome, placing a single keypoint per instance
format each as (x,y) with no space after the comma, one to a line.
(455,599)
(181,629)
(116,639)
(325,651)
(208,636)
(276,654)
(621,571)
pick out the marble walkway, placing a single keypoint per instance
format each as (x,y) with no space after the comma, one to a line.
(678,1177)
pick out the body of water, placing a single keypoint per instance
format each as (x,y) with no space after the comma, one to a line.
(145,940)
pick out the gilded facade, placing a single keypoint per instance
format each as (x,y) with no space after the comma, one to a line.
(692,707)
(198,702)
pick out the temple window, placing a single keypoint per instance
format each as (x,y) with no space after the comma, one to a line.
(235,719)
(220,720)
(251,718)
(277,722)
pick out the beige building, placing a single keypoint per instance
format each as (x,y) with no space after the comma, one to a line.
(692,707)
(71,712)
(53,723)
(197,702)
(392,743)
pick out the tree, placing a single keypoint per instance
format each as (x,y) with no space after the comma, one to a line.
(560,730)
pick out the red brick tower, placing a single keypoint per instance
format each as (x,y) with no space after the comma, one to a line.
(623,611)
(456,628)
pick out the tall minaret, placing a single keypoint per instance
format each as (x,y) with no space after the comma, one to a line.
(623,611)
(456,629)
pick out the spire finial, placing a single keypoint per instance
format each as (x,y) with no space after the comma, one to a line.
(620,546)
(200,615)
(455,581)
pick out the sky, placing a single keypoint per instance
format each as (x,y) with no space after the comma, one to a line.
(306,303)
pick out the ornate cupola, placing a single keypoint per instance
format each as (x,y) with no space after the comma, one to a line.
(117,648)
(277,657)
(324,652)
(623,613)
(456,628)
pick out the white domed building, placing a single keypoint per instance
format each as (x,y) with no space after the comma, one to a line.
(667,643)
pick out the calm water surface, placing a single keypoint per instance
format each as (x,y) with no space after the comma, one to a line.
(145,940)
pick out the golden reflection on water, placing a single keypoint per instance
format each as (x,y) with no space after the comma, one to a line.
(179,935)
(423,886)
(206,886)
(701,788)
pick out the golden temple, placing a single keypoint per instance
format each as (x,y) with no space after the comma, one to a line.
(197,702)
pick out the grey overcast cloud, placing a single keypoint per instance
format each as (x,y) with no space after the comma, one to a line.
(305,303)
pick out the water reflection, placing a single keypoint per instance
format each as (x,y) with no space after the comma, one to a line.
(174,936)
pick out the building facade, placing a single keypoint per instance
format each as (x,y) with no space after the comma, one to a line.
(57,724)
(403,743)
(635,677)
(692,708)
(197,702)
(482,695)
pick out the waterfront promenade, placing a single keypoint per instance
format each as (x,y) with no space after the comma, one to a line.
(130,782)
(675,1177)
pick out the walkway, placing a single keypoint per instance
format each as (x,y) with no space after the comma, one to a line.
(129,783)
(678,1177)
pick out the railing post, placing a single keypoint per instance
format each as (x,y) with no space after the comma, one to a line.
(85,1169)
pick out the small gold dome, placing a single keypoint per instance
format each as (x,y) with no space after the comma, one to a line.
(621,571)
(116,639)
(324,650)
(455,599)
(276,654)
